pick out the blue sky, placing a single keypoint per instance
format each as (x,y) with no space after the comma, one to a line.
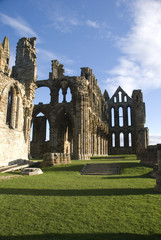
(119,39)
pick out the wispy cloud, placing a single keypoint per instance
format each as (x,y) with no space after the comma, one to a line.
(45,54)
(70,72)
(66,19)
(64,23)
(140,64)
(92,24)
(18,24)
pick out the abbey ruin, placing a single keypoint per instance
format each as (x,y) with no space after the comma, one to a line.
(90,124)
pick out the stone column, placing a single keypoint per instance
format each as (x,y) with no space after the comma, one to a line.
(94,144)
(98,145)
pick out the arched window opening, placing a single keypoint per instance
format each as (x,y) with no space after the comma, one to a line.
(17,111)
(113,140)
(47,131)
(129,115)
(40,131)
(42,94)
(112,117)
(120,96)
(40,114)
(114,99)
(31,133)
(125,98)
(121,117)
(61,97)
(12,108)
(9,107)
(68,95)
(130,139)
(121,140)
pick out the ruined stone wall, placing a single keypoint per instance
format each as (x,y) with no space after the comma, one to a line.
(4,57)
(16,105)
(84,117)
(12,144)
(126,122)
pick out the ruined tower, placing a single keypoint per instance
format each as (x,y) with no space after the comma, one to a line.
(16,100)
(4,57)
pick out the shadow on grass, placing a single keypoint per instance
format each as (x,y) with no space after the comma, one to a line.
(131,165)
(146,175)
(63,168)
(77,192)
(85,236)
(79,167)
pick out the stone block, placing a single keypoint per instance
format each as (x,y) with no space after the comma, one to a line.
(31,171)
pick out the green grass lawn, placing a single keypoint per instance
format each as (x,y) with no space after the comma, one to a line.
(62,204)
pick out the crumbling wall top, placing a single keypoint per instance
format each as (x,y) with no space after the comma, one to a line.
(4,56)
(25,67)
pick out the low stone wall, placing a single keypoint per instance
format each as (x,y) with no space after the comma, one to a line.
(12,146)
(51,159)
(158,173)
(149,156)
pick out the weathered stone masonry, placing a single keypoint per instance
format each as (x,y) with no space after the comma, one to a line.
(90,124)
(16,100)
(126,123)
(78,127)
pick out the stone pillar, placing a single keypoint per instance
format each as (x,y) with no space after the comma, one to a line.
(98,145)
(94,144)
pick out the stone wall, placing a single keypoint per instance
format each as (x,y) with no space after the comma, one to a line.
(84,117)
(16,102)
(127,134)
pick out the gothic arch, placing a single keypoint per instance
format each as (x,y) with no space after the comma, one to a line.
(42,94)
(12,99)
(64,127)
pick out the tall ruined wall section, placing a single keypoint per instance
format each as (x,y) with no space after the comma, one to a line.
(4,57)
(126,122)
(16,103)
(79,122)
(142,133)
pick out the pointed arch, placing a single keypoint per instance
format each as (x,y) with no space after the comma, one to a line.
(112,117)
(121,117)
(68,95)
(43,95)
(13,107)
(129,116)
(60,96)
(40,128)
(9,106)
(121,139)
(113,140)
(120,96)
(130,139)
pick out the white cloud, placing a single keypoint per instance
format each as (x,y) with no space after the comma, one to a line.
(93,24)
(69,72)
(154,139)
(46,54)
(140,65)
(18,24)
